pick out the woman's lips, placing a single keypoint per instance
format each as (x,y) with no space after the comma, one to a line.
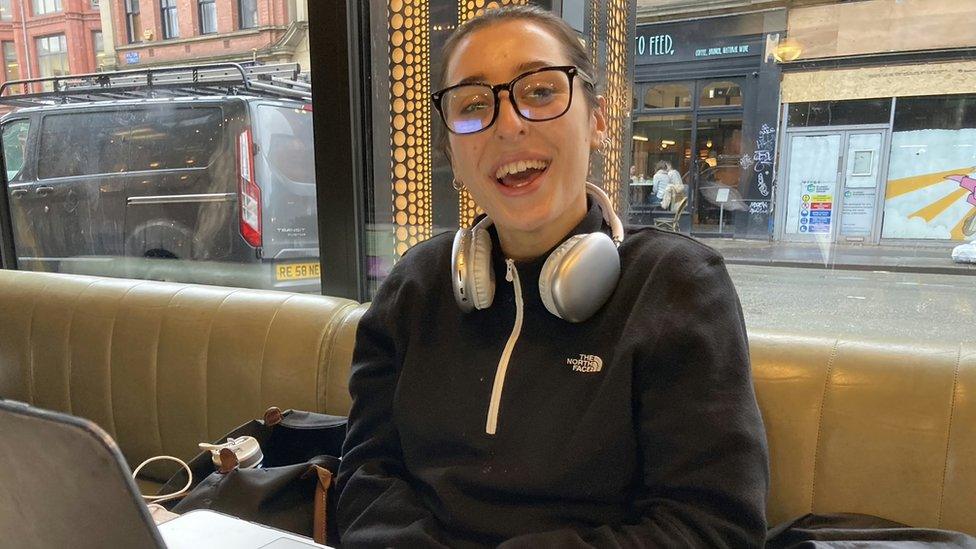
(525,186)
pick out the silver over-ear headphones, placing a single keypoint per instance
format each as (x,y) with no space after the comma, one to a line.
(576,279)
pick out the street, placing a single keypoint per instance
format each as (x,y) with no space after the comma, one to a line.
(875,305)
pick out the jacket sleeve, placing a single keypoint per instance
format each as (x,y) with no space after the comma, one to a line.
(701,437)
(378,506)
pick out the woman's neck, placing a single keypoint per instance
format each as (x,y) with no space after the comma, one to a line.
(527,245)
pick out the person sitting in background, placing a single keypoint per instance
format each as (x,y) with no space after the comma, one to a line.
(673,193)
(659,182)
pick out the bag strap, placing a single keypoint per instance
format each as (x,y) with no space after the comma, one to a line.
(321,516)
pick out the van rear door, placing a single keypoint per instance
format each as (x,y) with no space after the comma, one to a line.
(181,196)
(285,172)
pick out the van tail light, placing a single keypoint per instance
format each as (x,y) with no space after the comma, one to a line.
(249,194)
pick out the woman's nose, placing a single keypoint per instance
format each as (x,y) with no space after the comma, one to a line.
(509,124)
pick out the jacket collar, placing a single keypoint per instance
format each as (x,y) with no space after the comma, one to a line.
(591,223)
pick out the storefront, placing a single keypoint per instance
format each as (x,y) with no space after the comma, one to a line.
(877,150)
(705,101)
(891,169)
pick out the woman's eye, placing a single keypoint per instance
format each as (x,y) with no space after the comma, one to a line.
(474,106)
(539,94)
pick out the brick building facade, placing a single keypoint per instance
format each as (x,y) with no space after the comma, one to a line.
(171,32)
(49,38)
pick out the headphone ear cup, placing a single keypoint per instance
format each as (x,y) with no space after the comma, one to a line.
(579,276)
(549,270)
(481,275)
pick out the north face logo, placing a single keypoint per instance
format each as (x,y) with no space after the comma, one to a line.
(586,363)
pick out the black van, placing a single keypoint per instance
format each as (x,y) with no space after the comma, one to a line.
(214,188)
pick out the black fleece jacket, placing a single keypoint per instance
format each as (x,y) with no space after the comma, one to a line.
(636,428)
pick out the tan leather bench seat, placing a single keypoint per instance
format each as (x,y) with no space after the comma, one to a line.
(853,426)
(163,366)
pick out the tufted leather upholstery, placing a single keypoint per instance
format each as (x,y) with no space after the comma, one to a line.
(882,429)
(163,366)
(853,426)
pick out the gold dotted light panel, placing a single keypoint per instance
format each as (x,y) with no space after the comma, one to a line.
(618,96)
(469,9)
(410,139)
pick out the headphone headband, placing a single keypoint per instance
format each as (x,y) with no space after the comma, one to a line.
(576,279)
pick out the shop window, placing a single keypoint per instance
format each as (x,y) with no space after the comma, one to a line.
(839,113)
(721,94)
(948,112)
(930,171)
(668,96)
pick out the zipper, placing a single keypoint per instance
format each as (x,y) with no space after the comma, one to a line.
(511,275)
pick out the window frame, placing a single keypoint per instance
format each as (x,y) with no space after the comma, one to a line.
(132,21)
(200,15)
(95,43)
(61,53)
(46,7)
(241,25)
(7,60)
(169,19)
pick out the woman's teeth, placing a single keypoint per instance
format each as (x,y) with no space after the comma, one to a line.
(515,168)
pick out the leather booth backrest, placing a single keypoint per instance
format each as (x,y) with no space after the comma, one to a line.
(164,366)
(882,429)
(853,426)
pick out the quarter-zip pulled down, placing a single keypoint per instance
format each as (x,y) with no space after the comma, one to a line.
(511,275)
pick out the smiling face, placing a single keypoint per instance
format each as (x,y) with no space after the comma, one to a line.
(528,176)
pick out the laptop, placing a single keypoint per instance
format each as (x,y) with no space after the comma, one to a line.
(64,483)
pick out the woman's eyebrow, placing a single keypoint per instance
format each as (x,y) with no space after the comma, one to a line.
(523,67)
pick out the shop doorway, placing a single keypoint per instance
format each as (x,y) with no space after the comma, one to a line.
(696,127)
(834,184)
(716,181)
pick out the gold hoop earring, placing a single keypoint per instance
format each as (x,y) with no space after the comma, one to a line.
(604,147)
(456,184)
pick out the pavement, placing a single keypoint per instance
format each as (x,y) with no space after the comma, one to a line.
(934,259)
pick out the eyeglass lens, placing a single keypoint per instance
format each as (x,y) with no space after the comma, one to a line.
(538,96)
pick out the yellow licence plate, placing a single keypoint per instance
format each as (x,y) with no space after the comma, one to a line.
(296,271)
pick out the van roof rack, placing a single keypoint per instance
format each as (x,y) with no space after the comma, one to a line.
(276,80)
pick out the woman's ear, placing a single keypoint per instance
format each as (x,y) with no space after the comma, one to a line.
(599,125)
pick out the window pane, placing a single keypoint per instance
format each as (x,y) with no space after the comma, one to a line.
(721,94)
(6,10)
(11,67)
(286,138)
(930,174)
(14,146)
(208,183)
(170,19)
(668,96)
(208,17)
(248,13)
(840,113)
(656,139)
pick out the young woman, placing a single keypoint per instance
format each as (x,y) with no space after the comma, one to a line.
(532,383)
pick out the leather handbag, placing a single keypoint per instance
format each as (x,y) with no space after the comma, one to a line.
(289,490)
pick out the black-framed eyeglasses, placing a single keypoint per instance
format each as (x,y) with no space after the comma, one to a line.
(538,95)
